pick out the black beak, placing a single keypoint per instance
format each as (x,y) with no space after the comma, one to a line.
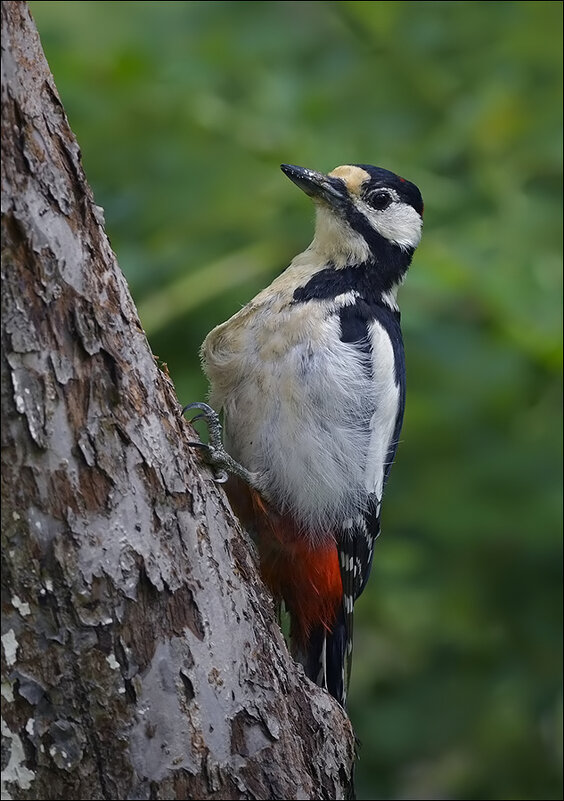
(317,185)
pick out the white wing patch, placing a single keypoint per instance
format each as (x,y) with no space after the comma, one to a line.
(383,420)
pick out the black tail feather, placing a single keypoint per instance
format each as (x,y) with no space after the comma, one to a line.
(325,660)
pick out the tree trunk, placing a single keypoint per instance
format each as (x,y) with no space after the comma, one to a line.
(141,658)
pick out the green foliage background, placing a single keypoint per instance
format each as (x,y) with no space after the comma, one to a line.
(184,110)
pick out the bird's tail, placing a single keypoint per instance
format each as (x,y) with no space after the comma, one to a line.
(306,576)
(327,662)
(326,657)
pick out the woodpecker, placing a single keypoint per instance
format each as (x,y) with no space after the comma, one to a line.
(310,376)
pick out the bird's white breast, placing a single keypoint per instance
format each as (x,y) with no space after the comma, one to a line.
(303,410)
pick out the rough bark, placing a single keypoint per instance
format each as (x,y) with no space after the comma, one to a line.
(140,658)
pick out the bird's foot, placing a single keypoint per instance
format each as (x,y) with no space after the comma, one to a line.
(222,464)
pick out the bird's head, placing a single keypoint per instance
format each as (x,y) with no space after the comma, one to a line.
(363,212)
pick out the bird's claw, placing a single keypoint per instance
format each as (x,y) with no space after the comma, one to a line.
(204,408)
(220,476)
(212,421)
(219,460)
(214,451)
(201,416)
(215,454)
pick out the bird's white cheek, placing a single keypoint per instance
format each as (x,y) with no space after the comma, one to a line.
(399,223)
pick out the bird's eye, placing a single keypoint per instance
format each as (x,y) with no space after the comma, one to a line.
(379,200)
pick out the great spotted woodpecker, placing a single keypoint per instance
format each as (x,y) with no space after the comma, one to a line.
(310,376)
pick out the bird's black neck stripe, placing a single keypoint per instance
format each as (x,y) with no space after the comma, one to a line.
(369,280)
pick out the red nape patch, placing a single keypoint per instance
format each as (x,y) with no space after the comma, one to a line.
(401,179)
(305,576)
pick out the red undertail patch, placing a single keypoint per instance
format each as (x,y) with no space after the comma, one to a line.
(305,575)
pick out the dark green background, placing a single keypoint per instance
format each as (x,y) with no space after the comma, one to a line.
(183,111)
